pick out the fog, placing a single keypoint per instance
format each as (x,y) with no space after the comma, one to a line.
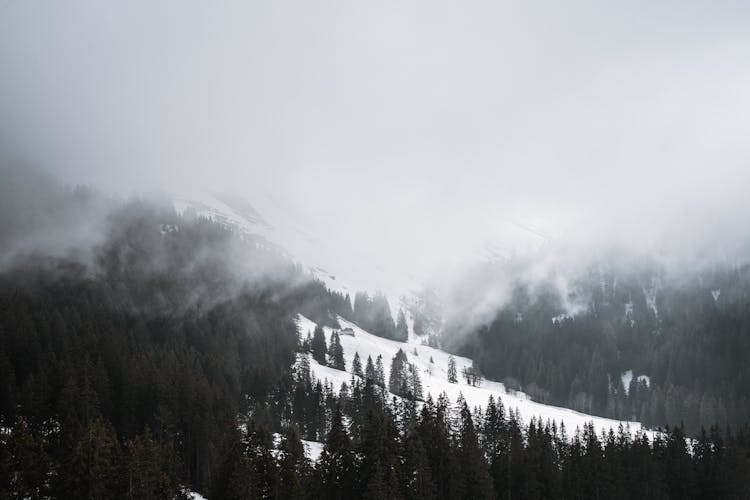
(417,132)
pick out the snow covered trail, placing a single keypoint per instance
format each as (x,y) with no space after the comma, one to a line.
(435,377)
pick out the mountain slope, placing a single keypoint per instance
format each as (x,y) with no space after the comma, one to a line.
(434,377)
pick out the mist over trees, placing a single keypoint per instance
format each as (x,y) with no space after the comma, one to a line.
(684,338)
(147,340)
(164,354)
(374,315)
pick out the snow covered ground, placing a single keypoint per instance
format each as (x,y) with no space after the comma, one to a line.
(435,378)
(627,376)
(342,269)
(313,449)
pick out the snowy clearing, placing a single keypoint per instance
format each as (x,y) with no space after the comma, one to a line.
(435,380)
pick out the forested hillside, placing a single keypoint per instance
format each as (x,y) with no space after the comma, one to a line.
(157,332)
(146,354)
(684,337)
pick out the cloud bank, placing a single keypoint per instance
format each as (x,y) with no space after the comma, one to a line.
(421,132)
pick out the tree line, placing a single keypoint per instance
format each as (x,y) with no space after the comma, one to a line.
(690,337)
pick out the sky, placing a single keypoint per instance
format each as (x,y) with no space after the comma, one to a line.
(416,131)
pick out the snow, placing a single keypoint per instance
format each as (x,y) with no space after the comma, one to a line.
(651,300)
(293,235)
(627,376)
(192,495)
(313,449)
(629,313)
(560,318)
(436,382)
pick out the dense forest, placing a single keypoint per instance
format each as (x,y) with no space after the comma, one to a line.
(163,356)
(685,338)
(157,329)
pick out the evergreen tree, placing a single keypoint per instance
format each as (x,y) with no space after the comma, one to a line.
(379,373)
(302,372)
(337,352)
(318,345)
(357,366)
(361,309)
(92,470)
(294,468)
(397,380)
(237,476)
(370,370)
(472,466)
(259,446)
(433,431)
(348,310)
(26,466)
(149,468)
(415,382)
(417,475)
(402,329)
(374,314)
(379,469)
(336,466)
(452,373)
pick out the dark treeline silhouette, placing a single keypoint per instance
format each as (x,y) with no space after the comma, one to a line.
(139,348)
(374,315)
(165,355)
(690,336)
(376,448)
(381,446)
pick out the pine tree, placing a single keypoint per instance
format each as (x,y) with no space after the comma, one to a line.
(302,370)
(259,448)
(237,477)
(379,373)
(26,467)
(397,380)
(476,478)
(294,467)
(337,352)
(361,309)
(92,470)
(433,431)
(348,311)
(415,382)
(318,345)
(357,366)
(307,343)
(452,373)
(370,371)
(148,467)
(336,466)
(379,470)
(402,329)
(417,480)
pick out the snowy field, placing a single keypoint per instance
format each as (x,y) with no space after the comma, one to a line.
(435,378)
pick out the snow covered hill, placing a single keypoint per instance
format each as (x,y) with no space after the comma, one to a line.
(433,365)
(344,269)
(292,235)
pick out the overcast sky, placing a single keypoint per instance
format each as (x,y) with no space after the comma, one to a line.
(422,127)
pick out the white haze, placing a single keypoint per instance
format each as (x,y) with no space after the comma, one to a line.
(413,132)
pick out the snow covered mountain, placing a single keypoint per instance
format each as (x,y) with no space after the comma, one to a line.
(341,269)
(348,265)
(432,365)
(281,229)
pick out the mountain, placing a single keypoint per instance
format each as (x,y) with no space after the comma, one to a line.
(286,230)
(280,232)
(432,366)
(158,354)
